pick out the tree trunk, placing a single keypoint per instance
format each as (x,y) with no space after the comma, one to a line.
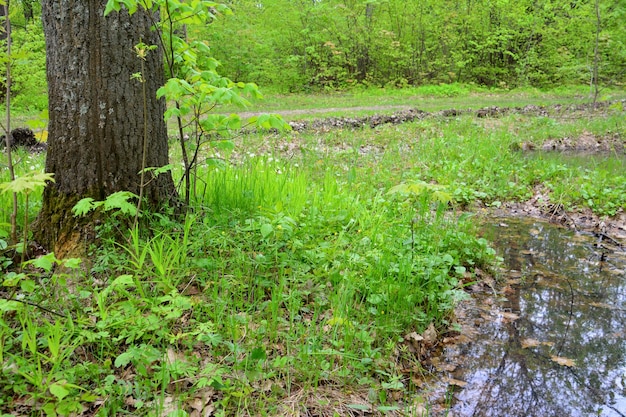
(3,18)
(96,126)
(28,9)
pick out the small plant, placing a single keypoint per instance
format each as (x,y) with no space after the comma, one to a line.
(25,185)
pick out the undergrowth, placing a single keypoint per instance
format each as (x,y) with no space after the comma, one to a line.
(301,267)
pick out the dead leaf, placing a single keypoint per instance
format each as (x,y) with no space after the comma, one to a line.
(447,367)
(174,356)
(563,361)
(528,343)
(413,336)
(456,382)
(509,316)
(508,290)
(202,404)
(602,305)
(430,335)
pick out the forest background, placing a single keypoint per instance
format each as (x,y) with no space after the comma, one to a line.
(311,45)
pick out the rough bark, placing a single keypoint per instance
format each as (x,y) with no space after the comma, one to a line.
(96,126)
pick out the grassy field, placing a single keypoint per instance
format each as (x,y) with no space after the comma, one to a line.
(305,275)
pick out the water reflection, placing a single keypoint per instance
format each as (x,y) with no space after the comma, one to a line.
(558,344)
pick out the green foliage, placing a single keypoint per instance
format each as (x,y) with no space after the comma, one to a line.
(28,72)
(335,44)
(117,201)
(24,185)
(27,183)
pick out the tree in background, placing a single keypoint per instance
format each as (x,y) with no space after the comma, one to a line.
(99,114)
(303,44)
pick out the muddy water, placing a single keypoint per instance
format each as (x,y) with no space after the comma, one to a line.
(555,343)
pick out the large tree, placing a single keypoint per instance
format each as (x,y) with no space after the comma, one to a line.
(97,118)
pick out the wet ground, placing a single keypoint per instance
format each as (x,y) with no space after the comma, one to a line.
(552,342)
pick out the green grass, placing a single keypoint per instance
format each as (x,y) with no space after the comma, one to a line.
(427,98)
(304,264)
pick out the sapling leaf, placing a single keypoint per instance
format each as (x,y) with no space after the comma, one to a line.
(27,285)
(156,171)
(45,262)
(72,263)
(111,6)
(224,145)
(233,122)
(12,279)
(84,206)
(277,122)
(119,201)
(27,183)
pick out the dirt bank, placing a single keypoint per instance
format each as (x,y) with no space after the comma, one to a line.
(412,114)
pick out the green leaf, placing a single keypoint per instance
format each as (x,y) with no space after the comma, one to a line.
(123,281)
(12,279)
(58,391)
(124,359)
(9,305)
(72,263)
(27,183)
(111,6)
(233,122)
(224,145)
(360,407)
(119,201)
(394,385)
(156,171)
(131,5)
(278,123)
(45,262)
(84,206)
(385,408)
(27,285)
(258,354)
(50,409)
(266,230)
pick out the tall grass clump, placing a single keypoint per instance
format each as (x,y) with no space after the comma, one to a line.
(256,182)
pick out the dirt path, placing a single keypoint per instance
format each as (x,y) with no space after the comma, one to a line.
(296,112)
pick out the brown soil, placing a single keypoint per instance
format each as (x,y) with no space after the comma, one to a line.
(412,114)
(587,142)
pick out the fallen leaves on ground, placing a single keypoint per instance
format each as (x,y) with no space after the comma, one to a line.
(563,361)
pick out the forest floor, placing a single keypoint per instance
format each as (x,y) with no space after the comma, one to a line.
(319,273)
(539,205)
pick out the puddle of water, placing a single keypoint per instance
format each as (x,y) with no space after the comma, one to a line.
(557,345)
